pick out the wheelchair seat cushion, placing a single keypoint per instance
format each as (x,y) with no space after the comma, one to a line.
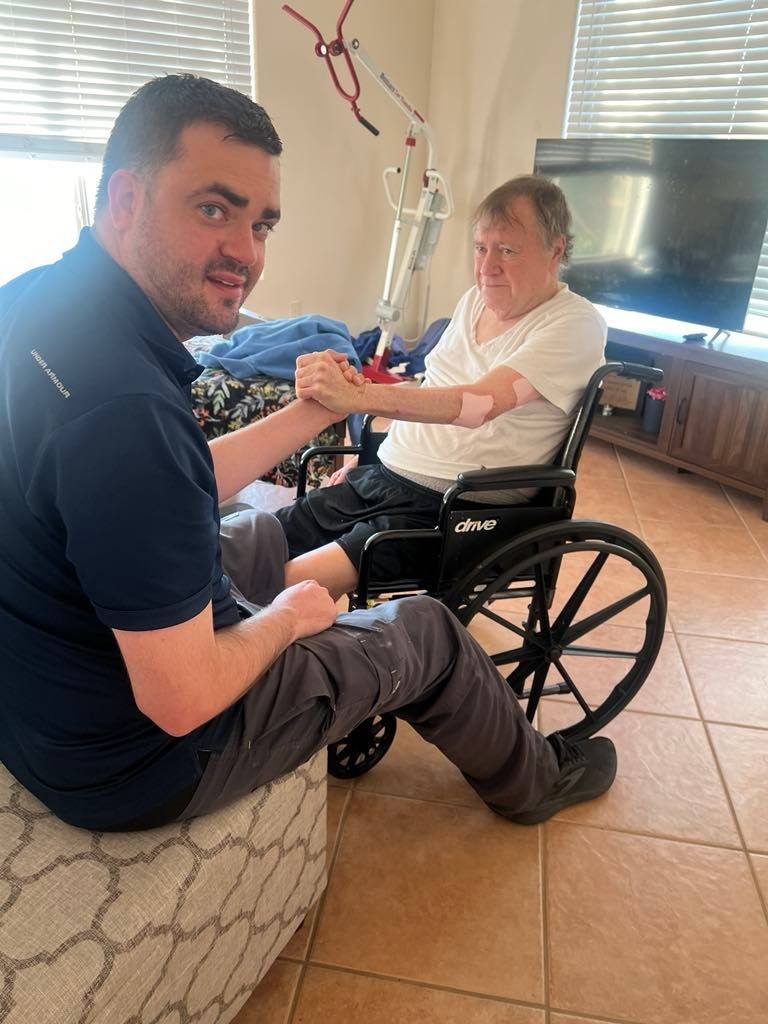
(372,498)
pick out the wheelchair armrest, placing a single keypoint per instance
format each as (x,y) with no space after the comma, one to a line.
(511,477)
(320,449)
(382,537)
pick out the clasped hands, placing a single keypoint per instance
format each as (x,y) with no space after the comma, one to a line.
(329,378)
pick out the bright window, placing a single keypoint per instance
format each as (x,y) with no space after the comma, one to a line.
(44,204)
(66,69)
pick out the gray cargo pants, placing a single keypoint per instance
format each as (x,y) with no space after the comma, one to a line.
(410,657)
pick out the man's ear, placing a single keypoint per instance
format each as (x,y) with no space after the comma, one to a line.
(125,191)
(558,247)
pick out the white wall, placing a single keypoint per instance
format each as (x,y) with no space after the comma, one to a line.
(492,76)
(329,252)
(500,71)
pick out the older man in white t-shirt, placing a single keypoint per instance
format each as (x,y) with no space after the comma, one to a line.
(500,390)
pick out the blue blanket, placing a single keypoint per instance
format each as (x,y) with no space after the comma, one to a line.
(270,349)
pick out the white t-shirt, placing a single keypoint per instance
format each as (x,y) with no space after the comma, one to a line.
(556,347)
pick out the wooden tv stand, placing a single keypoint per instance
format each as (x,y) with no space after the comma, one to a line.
(715,420)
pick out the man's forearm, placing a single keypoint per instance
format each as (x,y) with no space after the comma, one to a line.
(421,405)
(244,455)
(244,652)
(185,675)
(238,657)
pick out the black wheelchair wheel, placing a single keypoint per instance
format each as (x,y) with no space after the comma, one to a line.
(576,610)
(363,748)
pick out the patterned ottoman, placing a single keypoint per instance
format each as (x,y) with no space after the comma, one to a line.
(177,924)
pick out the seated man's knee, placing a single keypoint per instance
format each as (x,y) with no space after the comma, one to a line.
(250,526)
(422,609)
(426,604)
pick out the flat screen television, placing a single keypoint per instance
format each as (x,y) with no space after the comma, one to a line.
(671,227)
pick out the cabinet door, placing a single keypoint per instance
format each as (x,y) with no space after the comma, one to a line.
(721,423)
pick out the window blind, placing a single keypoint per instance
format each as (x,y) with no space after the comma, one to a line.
(686,68)
(68,66)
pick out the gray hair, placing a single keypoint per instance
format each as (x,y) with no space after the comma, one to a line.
(552,213)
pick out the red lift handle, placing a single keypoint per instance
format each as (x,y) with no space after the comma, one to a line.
(336,48)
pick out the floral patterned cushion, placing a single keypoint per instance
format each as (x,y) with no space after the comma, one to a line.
(222,403)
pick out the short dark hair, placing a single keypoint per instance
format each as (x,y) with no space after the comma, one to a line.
(548,200)
(146,132)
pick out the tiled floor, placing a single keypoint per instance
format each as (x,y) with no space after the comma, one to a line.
(647,906)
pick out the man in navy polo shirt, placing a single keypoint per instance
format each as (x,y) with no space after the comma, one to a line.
(140,682)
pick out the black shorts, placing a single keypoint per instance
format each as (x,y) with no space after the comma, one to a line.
(372,498)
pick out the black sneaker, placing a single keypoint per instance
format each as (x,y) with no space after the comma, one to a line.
(587,769)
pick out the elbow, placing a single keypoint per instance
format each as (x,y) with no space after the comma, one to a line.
(177,726)
(175,719)
(496,411)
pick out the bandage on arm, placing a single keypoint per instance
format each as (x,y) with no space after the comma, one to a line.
(475,408)
(524,391)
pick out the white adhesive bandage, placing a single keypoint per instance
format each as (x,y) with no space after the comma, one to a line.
(524,391)
(474,409)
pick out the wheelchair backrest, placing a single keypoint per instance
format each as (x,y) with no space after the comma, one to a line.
(570,453)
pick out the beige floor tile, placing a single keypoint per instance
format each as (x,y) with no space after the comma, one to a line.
(722,550)
(298,945)
(564,1018)
(652,930)
(743,757)
(435,893)
(271,1000)
(730,679)
(340,783)
(639,470)
(610,490)
(760,537)
(694,504)
(761,870)
(337,800)
(606,500)
(414,768)
(718,606)
(627,521)
(337,996)
(667,782)
(750,509)
(598,461)
(665,691)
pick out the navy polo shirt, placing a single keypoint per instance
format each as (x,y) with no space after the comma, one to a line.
(109,516)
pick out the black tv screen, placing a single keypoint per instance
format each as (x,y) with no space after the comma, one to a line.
(671,227)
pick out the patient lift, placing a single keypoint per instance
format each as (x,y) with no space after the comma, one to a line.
(424,221)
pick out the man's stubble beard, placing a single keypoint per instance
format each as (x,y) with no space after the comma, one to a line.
(181,304)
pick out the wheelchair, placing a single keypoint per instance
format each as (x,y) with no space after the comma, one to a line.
(570,610)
